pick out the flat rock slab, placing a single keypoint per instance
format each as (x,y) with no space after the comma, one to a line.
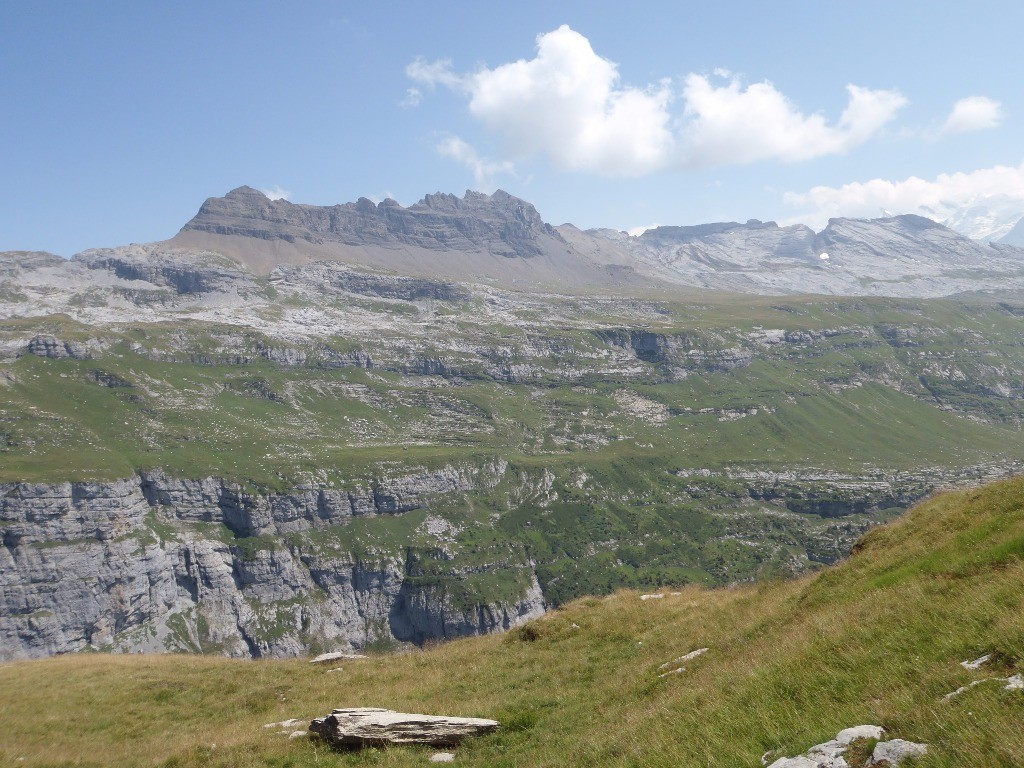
(366,726)
(324,658)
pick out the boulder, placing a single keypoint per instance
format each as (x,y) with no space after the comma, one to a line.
(365,726)
(892,753)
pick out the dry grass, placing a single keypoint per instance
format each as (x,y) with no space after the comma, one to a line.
(874,640)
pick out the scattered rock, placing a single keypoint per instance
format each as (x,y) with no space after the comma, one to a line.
(849,735)
(442,757)
(657,596)
(831,754)
(297,735)
(892,753)
(323,658)
(1012,683)
(977,663)
(285,724)
(798,762)
(364,726)
(678,662)
(334,669)
(685,658)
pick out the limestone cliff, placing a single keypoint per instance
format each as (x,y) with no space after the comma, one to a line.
(156,563)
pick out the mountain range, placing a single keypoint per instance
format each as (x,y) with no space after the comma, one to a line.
(294,428)
(502,240)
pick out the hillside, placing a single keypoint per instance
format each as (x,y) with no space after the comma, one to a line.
(198,457)
(875,639)
(503,241)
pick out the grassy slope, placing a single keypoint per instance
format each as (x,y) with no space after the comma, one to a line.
(875,639)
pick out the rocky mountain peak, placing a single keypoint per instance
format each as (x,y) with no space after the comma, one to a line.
(499,224)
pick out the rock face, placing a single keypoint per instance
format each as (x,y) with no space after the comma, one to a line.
(367,726)
(498,223)
(895,256)
(157,563)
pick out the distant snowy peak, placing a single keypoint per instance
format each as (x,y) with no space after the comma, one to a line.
(988,220)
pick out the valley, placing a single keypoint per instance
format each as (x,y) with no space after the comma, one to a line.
(464,452)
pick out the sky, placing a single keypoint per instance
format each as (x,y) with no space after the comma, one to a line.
(120,118)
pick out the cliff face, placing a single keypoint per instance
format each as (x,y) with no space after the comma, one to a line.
(156,563)
(498,223)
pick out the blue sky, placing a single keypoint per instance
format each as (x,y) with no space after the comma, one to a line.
(121,118)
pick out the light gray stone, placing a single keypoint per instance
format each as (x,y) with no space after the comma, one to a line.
(92,565)
(895,751)
(795,762)
(848,735)
(325,658)
(365,726)
(977,663)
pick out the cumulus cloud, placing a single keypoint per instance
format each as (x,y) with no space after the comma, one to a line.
(944,197)
(484,170)
(569,104)
(276,193)
(975,113)
(731,124)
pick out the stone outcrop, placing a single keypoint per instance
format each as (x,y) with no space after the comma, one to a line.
(498,223)
(158,563)
(344,279)
(368,726)
(183,272)
(52,347)
(891,753)
(834,753)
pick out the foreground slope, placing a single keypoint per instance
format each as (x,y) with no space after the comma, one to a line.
(876,639)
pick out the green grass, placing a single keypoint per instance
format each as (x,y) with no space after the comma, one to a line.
(876,639)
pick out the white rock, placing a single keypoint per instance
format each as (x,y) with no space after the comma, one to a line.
(829,750)
(297,735)
(977,663)
(895,751)
(684,658)
(1013,683)
(657,596)
(286,724)
(442,757)
(848,735)
(795,762)
(323,658)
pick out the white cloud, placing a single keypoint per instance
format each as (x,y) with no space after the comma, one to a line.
(569,104)
(413,97)
(276,193)
(732,124)
(944,197)
(433,73)
(484,170)
(637,231)
(974,113)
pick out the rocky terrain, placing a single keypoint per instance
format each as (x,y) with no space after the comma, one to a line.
(326,435)
(159,564)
